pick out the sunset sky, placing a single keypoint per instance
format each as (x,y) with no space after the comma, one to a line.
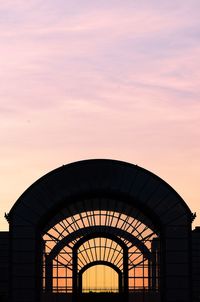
(99,79)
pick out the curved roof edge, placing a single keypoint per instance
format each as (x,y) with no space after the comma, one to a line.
(90,161)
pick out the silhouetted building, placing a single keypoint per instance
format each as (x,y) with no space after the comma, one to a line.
(100,230)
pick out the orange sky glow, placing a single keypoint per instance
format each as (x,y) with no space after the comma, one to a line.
(99,79)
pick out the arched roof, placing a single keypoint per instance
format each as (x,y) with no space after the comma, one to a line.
(99,177)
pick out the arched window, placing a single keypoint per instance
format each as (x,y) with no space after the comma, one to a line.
(101,228)
(100,277)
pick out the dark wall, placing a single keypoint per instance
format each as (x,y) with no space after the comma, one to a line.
(4,260)
(196,264)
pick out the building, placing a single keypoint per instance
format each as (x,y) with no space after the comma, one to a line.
(103,219)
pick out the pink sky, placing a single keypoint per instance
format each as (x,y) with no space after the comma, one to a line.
(99,79)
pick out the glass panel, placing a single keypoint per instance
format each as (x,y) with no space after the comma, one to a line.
(100,278)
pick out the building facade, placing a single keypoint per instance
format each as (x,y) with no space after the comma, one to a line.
(98,219)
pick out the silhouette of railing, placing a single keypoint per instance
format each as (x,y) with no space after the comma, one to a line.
(100,290)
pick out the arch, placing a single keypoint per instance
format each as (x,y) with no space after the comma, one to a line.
(100,230)
(100,235)
(100,262)
(100,178)
(93,232)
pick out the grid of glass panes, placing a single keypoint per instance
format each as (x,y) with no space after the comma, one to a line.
(141,272)
(100,249)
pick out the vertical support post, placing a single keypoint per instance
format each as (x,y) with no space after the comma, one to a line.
(80,282)
(75,276)
(125,268)
(154,248)
(120,282)
(48,274)
(149,273)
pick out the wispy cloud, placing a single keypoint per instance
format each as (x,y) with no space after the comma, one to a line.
(103,78)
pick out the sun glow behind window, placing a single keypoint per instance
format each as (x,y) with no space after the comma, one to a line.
(100,278)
